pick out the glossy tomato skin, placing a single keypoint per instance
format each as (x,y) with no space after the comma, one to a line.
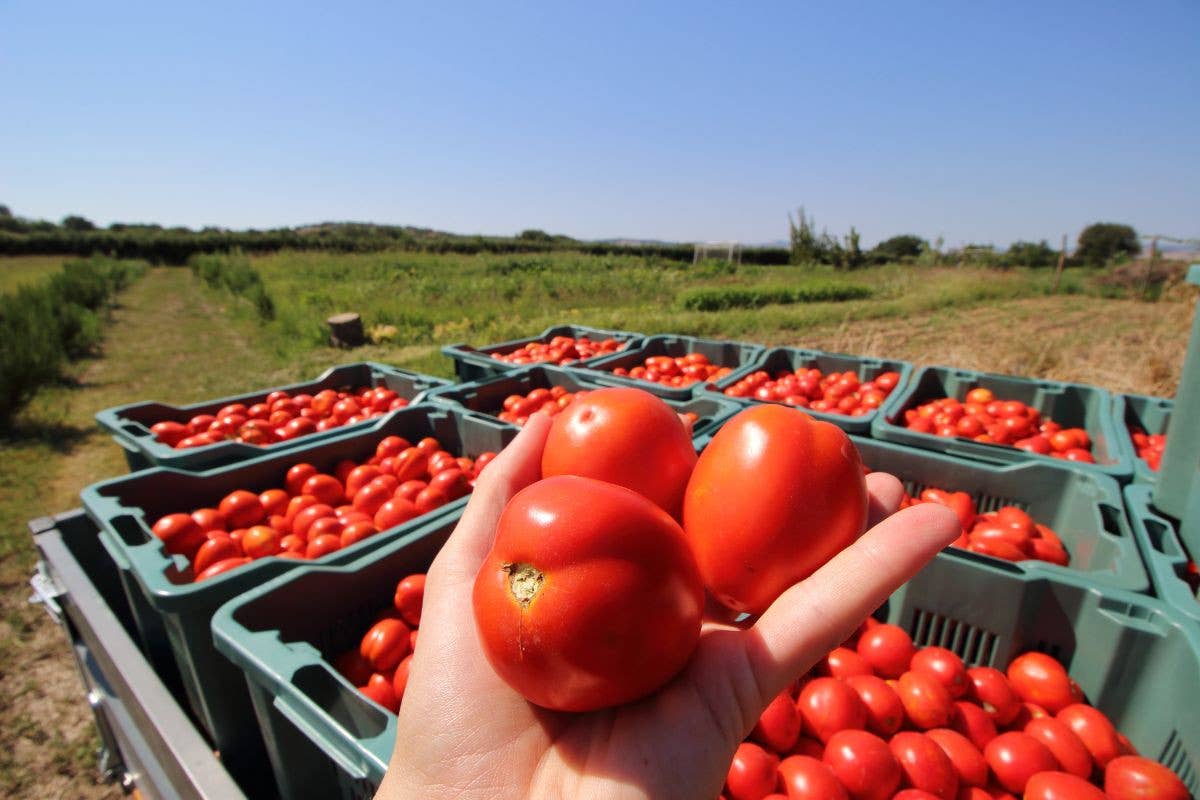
(1093,729)
(624,436)
(974,723)
(925,765)
(968,760)
(753,774)
(926,702)
(1041,679)
(945,666)
(1062,742)
(778,726)
(885,712)
(828,705)
(774,496)
(864,765)
(888,649)
(991,689)
(1016,757)
(1061,786)
(1137,778)
(807,778)
(180,534)
(409,598)
(385,644)
(589,597)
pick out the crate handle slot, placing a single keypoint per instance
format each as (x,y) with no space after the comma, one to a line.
(1111,517)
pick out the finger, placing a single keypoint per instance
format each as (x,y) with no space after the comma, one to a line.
(518,465)
(885,492)
(817,614)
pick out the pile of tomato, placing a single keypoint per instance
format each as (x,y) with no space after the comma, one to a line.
(677,372)
(1150,446)
(379,666)
(279,417)
(879,719)
(983,418)
(1008,532)
(517,407)
(559,350)
(832,393)
(316,513)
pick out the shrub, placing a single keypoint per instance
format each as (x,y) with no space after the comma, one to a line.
(233,273)
(726,297)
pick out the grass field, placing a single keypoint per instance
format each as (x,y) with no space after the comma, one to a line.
(18,271)
(173,339)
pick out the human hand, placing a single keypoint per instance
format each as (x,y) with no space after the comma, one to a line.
(463,733)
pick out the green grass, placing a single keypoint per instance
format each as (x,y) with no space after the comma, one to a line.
(19,271)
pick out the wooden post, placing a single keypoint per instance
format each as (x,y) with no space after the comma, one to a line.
(345,330)
(1150,266)
(1062,262)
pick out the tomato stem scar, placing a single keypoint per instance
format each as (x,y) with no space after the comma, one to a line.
(524,582)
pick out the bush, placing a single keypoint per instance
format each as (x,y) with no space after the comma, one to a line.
(1101,242)
(43,326)
(726,297)
(233,273)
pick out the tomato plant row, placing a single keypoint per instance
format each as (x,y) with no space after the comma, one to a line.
(880,719)
(314,513)
(280,417)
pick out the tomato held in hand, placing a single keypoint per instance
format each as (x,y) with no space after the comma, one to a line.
(774,496)
(627,437)
(589,597)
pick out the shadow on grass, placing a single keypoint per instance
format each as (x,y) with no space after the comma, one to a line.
(61,436)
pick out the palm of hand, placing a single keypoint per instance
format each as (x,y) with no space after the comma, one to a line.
(464,733)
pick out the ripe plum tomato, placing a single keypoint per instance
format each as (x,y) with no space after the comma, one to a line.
(1063,744)
(1137,778)
(975,723)
(842,662)
(807,778)
(778,726)
(589,597)
(214,550)
(991,689)
(885,712)
(242,509)
(774,496)
(888,649)
(927,704)
(967,759)
(828,705)
(627,437)
(1093,729)
(1016,757)
(379,688)
(385,644)
(945,667)
(1062,786)
(924,764)
(221,567)
(179,533)
(410,594)
(1039,678)
(864,764)
(753,773)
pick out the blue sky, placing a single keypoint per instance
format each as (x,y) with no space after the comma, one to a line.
(977,122)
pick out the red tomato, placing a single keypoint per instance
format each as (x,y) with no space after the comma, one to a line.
(863,763)
(410,596)
(975,723)
(807,778)
(359,477)
(778,726)
(627,437)
(323,544)
(1137,778)
(221,567)
(1016,757)
(924,764)
(274,501)
(926,702)
(356,531)
(297,475)
(1062,786)
(1062,742)
(945,667)
(353,667)
(753,773)
(400,677)
(325,488)
(991,689)
(394,512)
(385,644)
(1039,678)
(242,509)
(169,433)
(774,496)
(885,712)
(180,534)
(828,705)
(209,519)
(429,499)
(1094,730)
(305,519)
(842,662)
(214,550)
(369,498)
(968,760)
(589,597)
(451,482)
(379,688)
(888,649)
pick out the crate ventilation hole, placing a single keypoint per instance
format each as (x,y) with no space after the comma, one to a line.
(973,645)
(984,503)
(1175,757)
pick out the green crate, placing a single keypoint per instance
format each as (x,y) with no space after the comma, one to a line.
(1072,405)
(741,356)
(1135,658)
(1084,508)
(175,616)
(1151,414)
(130,424)
(487,396)
(1130,654)
(1162,549)
(790,359)
(471,364)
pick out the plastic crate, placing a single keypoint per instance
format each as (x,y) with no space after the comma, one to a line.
(1177,491)
(1136,659)
(487,396)
(471,364)
(1084,508)
(1163,551)
(1069,404)
(1133,658)
(740,356)
(130,424)
(176,616)
(1151,414)
(790,359)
